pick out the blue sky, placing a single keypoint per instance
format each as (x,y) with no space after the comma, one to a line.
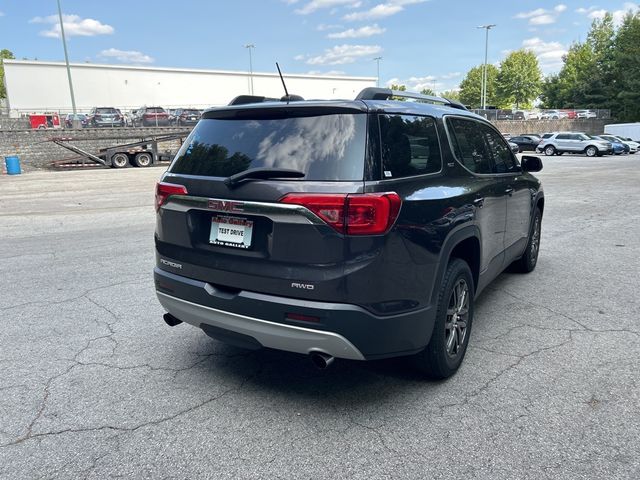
(423,43)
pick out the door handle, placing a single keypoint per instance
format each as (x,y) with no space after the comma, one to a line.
(479,202)
(509,191)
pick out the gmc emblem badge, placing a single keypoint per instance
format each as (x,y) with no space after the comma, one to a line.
(226,206)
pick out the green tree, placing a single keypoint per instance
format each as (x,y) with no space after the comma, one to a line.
(428,91)
(4,55)
(451,95)
(400,88)
(471,86)
(519,79)
(626,70)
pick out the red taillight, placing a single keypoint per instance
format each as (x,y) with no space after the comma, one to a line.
(351,214)
(165,190)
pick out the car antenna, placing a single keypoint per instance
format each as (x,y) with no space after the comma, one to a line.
(287,98)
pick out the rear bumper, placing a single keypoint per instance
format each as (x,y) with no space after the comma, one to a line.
(341,330)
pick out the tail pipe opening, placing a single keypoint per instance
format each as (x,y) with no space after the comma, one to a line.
(321,360)
(171,320)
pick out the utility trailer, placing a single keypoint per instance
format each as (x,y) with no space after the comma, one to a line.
(143,153)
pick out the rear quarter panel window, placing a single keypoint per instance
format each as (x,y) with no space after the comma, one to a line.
(409,146)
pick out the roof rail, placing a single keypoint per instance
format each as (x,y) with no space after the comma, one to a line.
(375,93)
(244,99)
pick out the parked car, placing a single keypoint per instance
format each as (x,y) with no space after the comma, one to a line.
(586,114)
(553,114)
(151,117)
(81,118)
(186,116)
(617,147)
(526,142)
(573,142)
(279,227)
(633,146)
(513,146)
(105,117)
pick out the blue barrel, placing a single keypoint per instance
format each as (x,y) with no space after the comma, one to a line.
(13,165)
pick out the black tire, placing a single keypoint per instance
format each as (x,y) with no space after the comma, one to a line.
(527,263)
(549,150)
(142,159)
(119,160)
(445,352)
(591,151)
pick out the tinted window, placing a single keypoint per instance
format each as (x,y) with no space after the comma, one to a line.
(409,146)
(155,110)
(563,136)
(325,147)
(547,135)
(518,139)
(105,110)
(503,161)
(469,144)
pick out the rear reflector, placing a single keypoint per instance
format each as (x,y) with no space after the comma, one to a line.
(165,190)
(301,318)
(354,213)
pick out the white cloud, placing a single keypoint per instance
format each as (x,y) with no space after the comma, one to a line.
(449,76)
(366,31)
(391,7)
(322,27)
(541,16)
(549,53)
(1,14)
(126,56)
(74,25)
(595,13)
(542,20)
(315,5)
(341,54)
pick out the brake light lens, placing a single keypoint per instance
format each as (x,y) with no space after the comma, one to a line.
(352,214)
(165,190)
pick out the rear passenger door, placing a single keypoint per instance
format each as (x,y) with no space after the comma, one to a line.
(471,149)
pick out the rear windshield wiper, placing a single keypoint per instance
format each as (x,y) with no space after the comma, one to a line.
(262,173)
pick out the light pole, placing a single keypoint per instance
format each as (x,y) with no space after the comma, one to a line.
(377,59)
(66,59)
(483,93)
(249,46)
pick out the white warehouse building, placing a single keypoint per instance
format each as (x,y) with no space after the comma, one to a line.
(35,86)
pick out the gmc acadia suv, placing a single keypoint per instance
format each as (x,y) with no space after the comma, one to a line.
(357,229)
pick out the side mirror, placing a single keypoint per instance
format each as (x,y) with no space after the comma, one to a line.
(531,164)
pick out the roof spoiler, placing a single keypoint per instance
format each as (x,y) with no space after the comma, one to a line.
(246,99)
(375,93)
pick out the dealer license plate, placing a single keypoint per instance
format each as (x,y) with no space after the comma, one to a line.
(231,232)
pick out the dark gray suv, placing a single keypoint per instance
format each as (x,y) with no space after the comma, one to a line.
(356,229)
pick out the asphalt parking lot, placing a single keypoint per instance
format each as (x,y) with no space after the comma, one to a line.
(93,384)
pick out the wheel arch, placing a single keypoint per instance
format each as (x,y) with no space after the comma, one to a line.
(465,245)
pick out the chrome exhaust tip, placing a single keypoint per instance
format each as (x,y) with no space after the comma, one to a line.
(321,360)
(171,320)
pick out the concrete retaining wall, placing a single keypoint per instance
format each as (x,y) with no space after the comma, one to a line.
(592,126)
(35,149)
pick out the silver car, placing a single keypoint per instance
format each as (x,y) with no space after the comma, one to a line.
(573,142)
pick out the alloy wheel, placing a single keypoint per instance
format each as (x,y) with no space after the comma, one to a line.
(455,327)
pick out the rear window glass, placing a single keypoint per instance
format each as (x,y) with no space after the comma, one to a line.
(325,147)
(155,110)
(106,110)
